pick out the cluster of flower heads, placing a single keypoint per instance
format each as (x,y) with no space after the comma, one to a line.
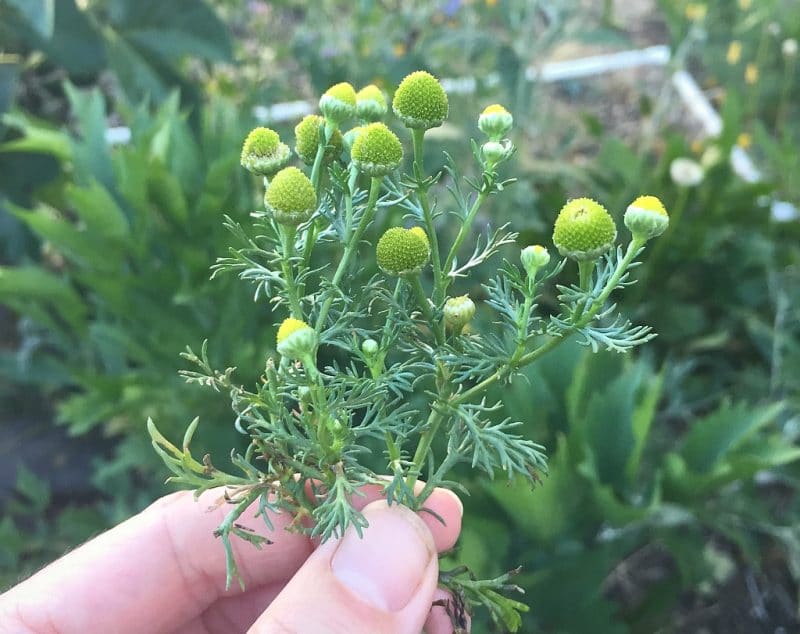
(583,231)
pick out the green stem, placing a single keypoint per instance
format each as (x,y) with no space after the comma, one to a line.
(462,234)
(418,138)
(287,240)
(435,419)
(422,299)
(585,270)
(351,247)
(533,355)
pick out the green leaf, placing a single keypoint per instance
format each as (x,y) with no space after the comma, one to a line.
(99,211)
(35,284)
(91,152)
(711,438)
(39,138)
(73,243)
(76,44)
(37,14)
(34,489)
(9,69)
(643,416)
(173,29)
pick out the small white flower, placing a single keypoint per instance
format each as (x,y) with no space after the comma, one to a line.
(686,172)
(789,47)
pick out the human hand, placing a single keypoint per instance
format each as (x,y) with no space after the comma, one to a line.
(163,571)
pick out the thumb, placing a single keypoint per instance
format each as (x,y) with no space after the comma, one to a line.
(381,582)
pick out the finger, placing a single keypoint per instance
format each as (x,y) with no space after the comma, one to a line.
(154,572)
(442,511)
(235,613)
(383,581)
(447,617)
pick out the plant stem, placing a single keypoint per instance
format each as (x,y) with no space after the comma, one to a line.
(418,138)
(435,420)
(462,234)
(351,246)
(287,240)
(422,299)
(633,248)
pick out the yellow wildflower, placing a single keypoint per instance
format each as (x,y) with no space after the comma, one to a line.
(734,52)
(751,74)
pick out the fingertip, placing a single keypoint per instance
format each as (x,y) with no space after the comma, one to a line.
(446,616)
(442,514)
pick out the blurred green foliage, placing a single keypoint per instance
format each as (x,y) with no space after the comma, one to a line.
(670,473)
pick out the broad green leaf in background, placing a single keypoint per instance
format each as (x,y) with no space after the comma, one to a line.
(37,137)
(37,14)
(33,283)
(711,438)
(8,80)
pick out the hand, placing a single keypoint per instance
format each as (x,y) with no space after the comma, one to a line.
(163,571)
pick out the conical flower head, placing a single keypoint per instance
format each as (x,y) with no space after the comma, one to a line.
(458,312)
(402,252)
(307,135)
(646,217)
(263,153)
(296,339)
(290,197)
(584,230)
(370,103)
(495,122)
(376,150)
(338,103)
(420,101)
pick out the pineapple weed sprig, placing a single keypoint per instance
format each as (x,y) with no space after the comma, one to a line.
(401,332)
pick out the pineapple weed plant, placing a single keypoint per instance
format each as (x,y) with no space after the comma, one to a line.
(402,331)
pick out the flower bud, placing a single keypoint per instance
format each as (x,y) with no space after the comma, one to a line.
(307,139)
(458,312)
(370,103)
(584,230)
(376,150)
(685,172)
(534,258)
(290,197)
(402,252)
(296,339)
(338,103)
(420,101)
(494,152)
(263,153)
(495,122)
(646,217)
(369,347)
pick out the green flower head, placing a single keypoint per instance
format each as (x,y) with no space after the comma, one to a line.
(420,101)
(307,134)
(458,312)
(402,252)
(338,103)
(263,153)
(370,103)
(376,150)
(290,197)
(584,230)
(646,217)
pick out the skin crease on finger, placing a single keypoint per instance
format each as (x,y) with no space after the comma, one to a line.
(166,558)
